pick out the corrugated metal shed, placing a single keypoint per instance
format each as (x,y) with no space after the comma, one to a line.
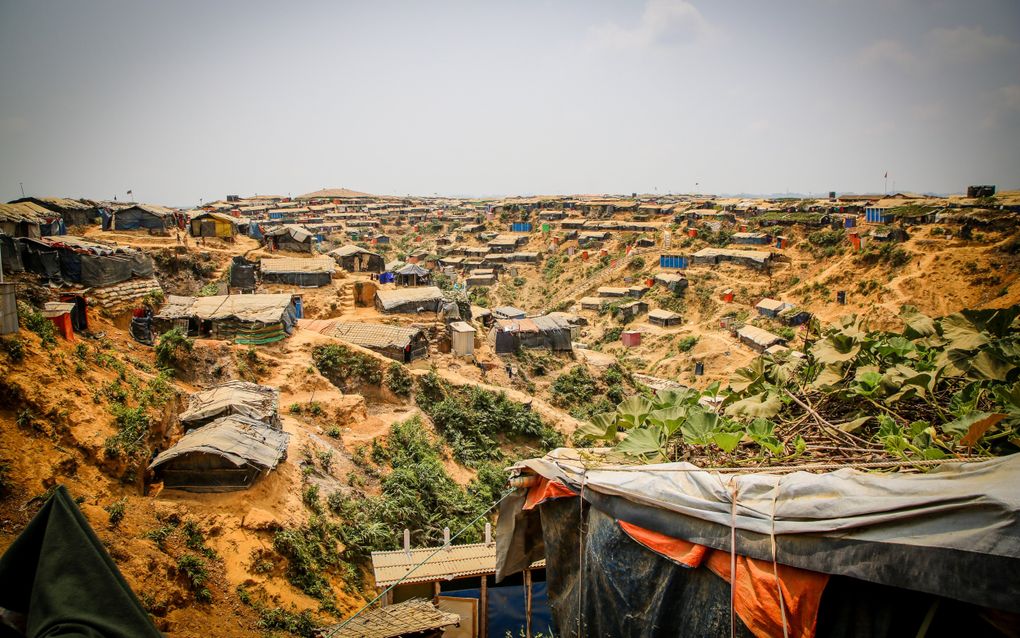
(456,561)
(375,335)
(297,264)
(407,618)
(390,299)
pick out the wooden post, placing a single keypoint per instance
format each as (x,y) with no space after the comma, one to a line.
(527,603)
(435,591)
(388,600)
(483,602)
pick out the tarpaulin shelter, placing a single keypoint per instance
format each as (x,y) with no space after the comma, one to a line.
(97,264)
(143,216)
(228,454)
(412,275)
(211,224)
(72,212)
(396,342)
(354,258)
(23,220)
(288,237)
(10,254)
(410,300)
(244,319)
(510,335)
(252,400)
(660,549)
(310,272)
(242,273)
(60,577)
(758,338)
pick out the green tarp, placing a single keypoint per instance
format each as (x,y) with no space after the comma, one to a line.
(59,576)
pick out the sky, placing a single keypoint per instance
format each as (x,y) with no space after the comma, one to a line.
(188,101)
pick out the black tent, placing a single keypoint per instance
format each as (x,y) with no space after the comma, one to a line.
(60,578)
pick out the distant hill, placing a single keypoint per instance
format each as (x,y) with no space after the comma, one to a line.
(335,193)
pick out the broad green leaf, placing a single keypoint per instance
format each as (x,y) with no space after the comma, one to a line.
(751,375)
(644,442)
(896,346)
(835,349)
(916,324)
(634,410)
(962,333)
(699,427)
(727,441)
(971,427)
(831,374)
(669,418)
(765,404)
(602,426)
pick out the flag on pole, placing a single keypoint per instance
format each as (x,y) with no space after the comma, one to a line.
(886,177)
(129,192)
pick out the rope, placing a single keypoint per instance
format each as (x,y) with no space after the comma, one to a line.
(733,561)
(333,631)
(580,557)
(782,468)
(775,564)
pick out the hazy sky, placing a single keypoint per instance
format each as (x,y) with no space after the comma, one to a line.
(185,100)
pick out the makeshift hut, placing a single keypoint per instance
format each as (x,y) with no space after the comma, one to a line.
(794,316)
(631,309)
(510,335)
(845,553)
(210,224)
(308,272)
(675,282)
(228,454)
(244,319)
(751,238)
(412,275)
(288,237)
(771,307)
(417,618)
(758,259)
(22,220)
(251,400)
(757,338)
(410,300)
(396,342)
(72,211)
(593,303)
(664,318)
(149,217)
(461,579)
(353,258)
(508,312)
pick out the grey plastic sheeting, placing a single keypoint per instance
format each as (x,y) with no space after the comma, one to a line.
(240,440)
(953,532)
(258,402)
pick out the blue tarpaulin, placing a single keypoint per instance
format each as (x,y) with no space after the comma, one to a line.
(506,609)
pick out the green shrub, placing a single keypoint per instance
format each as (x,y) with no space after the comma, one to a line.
(687,343)
(14,346)
(193,569)
(116,511)
(172,347)
(399,380)
(132,430)
(38,324)
(471,419)
(346,367)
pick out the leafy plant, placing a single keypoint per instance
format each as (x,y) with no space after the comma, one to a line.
(399,380)
(346,367)
(172,347)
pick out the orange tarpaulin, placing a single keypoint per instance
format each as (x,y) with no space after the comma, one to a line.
(756,599)
(546,490)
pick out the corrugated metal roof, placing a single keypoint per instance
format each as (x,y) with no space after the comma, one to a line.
(456,561)
(402,619)
(763,338)
(392,298)
(374,335)
(298,264)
